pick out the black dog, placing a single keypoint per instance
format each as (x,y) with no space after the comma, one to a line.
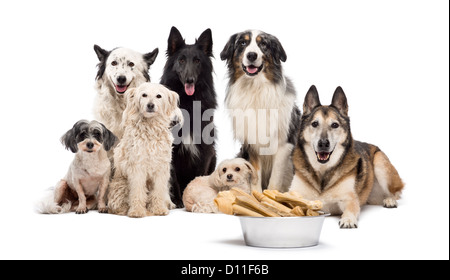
(188,72)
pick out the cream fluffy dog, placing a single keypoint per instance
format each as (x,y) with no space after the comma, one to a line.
(200,193)
(140,186)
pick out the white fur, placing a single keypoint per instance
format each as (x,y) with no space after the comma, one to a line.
(268,111)
(109,105)
(140,186)
(200,193)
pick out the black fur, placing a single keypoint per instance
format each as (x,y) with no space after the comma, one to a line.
(191,65)
(269,45)
(83,130)
(103,55)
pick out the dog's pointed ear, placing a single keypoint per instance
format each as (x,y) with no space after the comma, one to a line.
(109,139)
(101,53)
(205,42)
(175,41)
(311,100)
(151,57)
(228,51)
(340,101)
(253,180)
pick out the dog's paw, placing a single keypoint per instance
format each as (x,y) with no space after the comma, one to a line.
(81,210)
(348,223)
(390,202)
(159,210)
(138,213)
(103,210)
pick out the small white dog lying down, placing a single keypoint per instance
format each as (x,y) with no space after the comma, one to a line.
(140,186)
(200,193)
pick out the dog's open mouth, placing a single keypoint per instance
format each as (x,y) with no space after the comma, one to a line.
(121,89)
(323,157)
(252,70)
(189,89)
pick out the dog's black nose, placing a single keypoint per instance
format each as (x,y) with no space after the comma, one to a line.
(190,80)
(324,144)
(230,176)
(121,80)
(90,145)
(252,56)
(150,107)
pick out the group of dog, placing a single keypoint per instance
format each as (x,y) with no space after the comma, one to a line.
(128,162)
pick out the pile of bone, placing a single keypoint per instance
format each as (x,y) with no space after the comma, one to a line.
(270,203)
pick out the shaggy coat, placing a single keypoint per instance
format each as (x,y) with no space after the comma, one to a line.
(118,70)
(140,186)
(188,72)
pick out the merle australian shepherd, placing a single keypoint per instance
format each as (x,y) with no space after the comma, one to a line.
(188,72)
(260,99)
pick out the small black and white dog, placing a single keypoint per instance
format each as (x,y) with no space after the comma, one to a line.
(85,184)
(261,103)
(188,71)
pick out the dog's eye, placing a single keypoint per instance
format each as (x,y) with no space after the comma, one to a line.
(243,43)
(224,170)
(144,95)
(263,44)
(197,61)
(334,125)
(158,96)
(237,169)
(114,63)
(181,61)
(315,124)
(131,64)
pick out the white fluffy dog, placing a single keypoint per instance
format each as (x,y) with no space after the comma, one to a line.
(200,193)
(118,70)
(140,186)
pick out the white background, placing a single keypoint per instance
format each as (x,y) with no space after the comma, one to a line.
(390,57)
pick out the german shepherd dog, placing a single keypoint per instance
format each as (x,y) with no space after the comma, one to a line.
(188,71)
(329,165)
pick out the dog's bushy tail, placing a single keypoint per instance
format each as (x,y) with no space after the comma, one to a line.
(47,205)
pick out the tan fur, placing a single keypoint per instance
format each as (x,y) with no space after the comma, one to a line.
(356,173)
(200,193)
(140,186)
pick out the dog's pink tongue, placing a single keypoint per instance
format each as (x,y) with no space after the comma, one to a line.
(121,89)
(189,89)
(252,69)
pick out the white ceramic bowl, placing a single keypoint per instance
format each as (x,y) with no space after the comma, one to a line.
(284,232)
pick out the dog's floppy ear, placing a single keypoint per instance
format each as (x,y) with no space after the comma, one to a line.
(253,175)
(69,139)
(228,50)
(131,110)
(151,57)
(311,100)
(214,178)
(109,139)
(172,110)
(175,41)
(205,42)
(340,101)
(277,49)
